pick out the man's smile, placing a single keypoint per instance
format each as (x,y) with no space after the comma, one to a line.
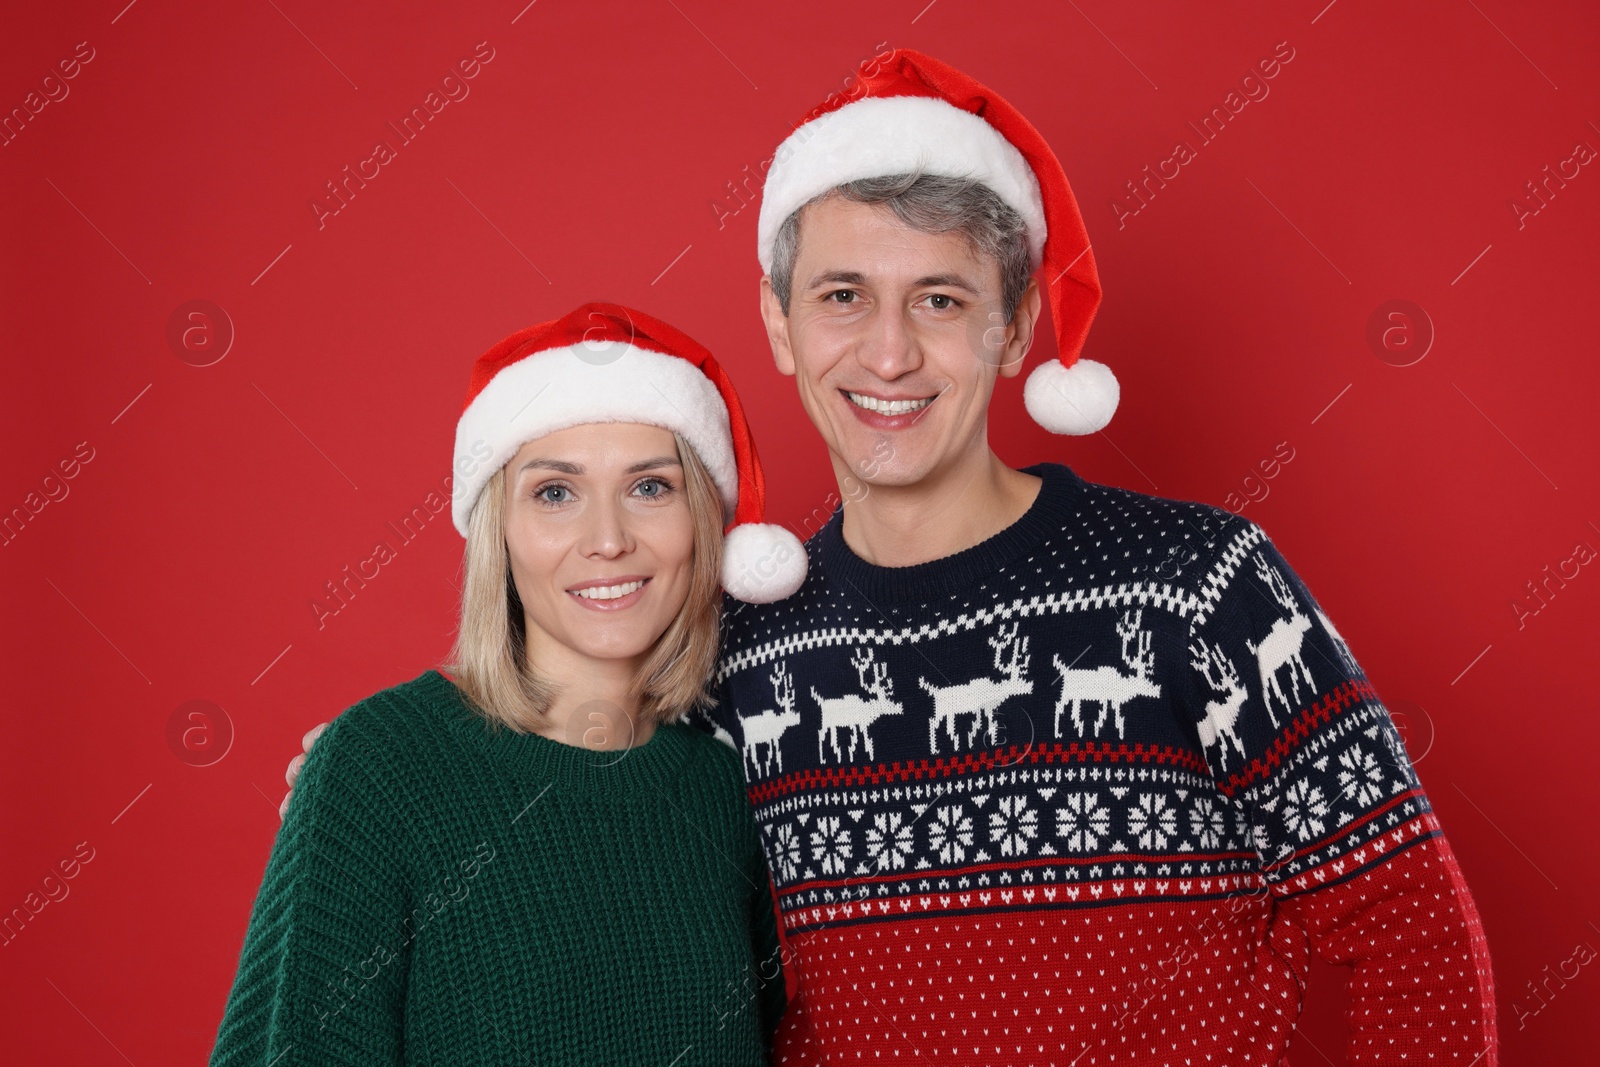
(888,413)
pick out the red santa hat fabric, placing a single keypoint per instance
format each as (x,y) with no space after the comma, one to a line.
(609,363)
(910,113)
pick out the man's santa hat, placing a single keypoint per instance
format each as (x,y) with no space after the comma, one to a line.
(909,113)
(608,363)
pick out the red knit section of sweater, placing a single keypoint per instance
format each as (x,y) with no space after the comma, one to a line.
(1157,983)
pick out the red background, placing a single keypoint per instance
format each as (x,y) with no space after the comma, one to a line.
(585,164)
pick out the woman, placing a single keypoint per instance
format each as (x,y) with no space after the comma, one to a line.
(527,857)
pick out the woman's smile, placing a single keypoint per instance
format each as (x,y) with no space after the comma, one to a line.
(610,594)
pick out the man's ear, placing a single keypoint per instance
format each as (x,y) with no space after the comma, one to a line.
(777,328)
(1021,328)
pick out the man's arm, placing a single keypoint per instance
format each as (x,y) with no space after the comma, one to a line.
(771,992)
(1360,871)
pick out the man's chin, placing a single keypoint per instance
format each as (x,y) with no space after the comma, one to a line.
(885,469)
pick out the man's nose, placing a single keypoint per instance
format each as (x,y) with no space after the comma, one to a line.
(889,347)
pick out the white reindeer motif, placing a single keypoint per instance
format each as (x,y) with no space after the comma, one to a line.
(767,727)
(853,713)
(981,697)
(1338,641)
(1107,686)
(1281,646)
(1217,728)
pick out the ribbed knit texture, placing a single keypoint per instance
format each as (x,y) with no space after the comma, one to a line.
(1091,792)
(442,894)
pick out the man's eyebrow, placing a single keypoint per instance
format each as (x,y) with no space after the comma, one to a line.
(948,281)
(851,277)
(837,277)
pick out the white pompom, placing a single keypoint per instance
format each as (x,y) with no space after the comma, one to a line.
(762,563)
(1078,399)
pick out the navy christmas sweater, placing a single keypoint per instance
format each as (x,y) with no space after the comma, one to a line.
(1093,791)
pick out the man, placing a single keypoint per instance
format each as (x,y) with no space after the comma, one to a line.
(1079,775)
(1046,771)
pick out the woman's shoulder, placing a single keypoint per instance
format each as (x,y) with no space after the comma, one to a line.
(396,726)
(702,742)
(715,791)
(710,754)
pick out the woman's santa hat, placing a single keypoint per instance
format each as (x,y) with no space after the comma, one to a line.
(608,363)
(909,113)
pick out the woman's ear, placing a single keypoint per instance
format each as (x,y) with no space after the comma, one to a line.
(777,328)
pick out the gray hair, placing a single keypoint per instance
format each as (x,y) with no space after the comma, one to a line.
(930,203)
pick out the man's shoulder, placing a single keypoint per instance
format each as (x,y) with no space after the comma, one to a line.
(1120,505)
(1174,537)
(742,622)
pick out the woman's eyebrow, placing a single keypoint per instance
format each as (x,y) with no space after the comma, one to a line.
(553,465)
(650,464)
(565,467)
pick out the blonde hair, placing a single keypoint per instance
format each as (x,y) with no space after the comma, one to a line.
(488,660)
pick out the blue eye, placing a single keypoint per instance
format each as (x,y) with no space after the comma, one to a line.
(545,493)
(653,488)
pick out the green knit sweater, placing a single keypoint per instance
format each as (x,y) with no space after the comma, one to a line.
(440,893)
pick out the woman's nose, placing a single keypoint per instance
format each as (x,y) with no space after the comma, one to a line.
(606,533)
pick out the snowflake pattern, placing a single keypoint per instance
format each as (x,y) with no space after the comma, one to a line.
(1013,825)
(1206,823)
(1319,801)
(1400,760)
(1082,821)
(1151,821)
(950,834)
(830,844)
(888,841)
(1361,779)
(1304,809)
(786,851)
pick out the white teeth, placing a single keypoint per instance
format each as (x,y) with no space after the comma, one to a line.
(887,407)
(607,592)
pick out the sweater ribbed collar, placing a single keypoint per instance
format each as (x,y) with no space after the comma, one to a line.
(1052,509)
(645,770)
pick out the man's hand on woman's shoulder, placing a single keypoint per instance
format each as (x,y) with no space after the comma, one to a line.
(299,761)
